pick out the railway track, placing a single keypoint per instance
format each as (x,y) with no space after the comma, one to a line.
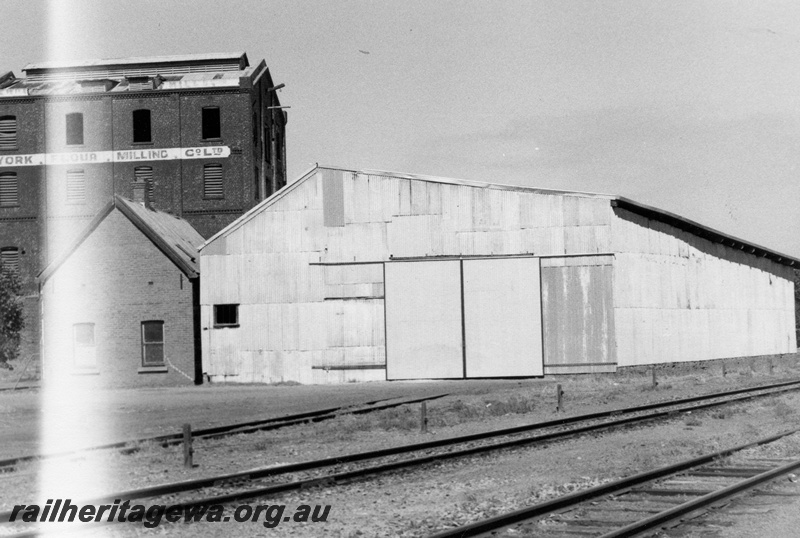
(641,503)
(216,432)
(272,481)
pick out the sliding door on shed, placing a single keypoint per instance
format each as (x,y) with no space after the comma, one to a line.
(463,318)
(423,320)
(578,315)
(502,317)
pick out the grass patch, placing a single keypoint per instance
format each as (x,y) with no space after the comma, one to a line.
(440,414)
(552,491)
(515,405)
(783,410)
(691,420)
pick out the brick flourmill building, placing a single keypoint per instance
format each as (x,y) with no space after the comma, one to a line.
(200,137)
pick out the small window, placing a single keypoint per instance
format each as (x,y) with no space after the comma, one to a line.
(8,132)
(212,126)
(83,345)
(9,260)
(143,184)
(152,343)
(9,189)
(76,187)
(257,184)
(141,126)
(226,315)
(74,129)
(212,181)
(267,146)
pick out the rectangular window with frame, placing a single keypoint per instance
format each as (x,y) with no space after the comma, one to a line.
(84,351)
(153,343)
(226,315)
(212,181)
(141,126)
(8,132)
(74,129)
(9,189)
(76,187)
(212,123)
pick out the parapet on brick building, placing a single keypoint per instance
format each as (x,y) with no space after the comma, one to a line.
(198,136)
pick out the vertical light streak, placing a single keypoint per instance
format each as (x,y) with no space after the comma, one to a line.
(73,408)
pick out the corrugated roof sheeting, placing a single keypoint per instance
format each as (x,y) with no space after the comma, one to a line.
(111,76)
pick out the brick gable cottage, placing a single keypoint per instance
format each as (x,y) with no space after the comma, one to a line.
(122,300)
(200,137)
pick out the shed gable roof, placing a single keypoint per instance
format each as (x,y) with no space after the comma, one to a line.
(649,212)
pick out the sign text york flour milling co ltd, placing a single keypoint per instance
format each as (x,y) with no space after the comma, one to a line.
(119,156)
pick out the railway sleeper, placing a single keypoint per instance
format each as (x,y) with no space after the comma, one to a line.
(738,472)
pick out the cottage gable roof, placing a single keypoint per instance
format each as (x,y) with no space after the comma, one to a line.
(173,236)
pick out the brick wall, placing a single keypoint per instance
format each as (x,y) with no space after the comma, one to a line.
(45,224)
(116,279)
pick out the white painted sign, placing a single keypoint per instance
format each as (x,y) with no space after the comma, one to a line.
(119,156)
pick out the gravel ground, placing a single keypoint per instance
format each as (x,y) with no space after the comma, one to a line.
(419,502)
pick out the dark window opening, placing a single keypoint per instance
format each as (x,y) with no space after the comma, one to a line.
(226,315)
(141,126)
(267,146)
(212,126)
(74,129)
(255,129)
(152,343)
(257,189)
(9,189)
(8,132)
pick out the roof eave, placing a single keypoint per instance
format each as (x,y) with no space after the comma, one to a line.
(186,267)
(703,231)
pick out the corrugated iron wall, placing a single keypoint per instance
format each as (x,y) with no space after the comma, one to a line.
(311,300)
(308,273)
(679,297)
(578,314)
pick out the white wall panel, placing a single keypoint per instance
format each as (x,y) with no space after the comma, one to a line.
(502,316)
(423,320)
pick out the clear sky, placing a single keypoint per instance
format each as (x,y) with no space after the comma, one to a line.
(691,106)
